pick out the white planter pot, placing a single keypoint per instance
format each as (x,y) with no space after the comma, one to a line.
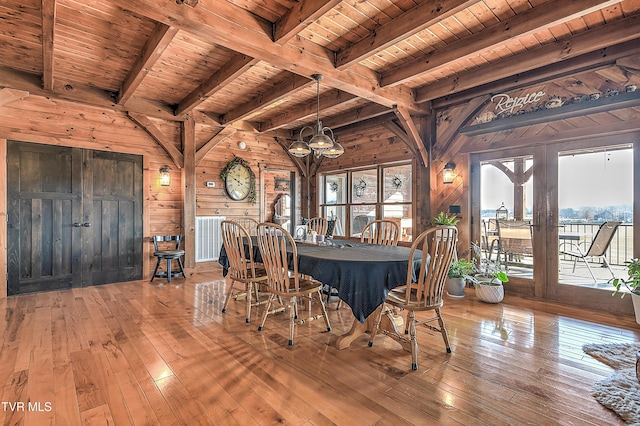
(455,286)
(635,298)
(490,293)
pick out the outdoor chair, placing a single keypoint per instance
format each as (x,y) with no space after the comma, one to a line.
(167,247)
(515,239)
(286,286)
(598,248)
(242,268)
(436,247)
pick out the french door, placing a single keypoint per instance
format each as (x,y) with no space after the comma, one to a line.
(74,217)
(508,214)
(564,191)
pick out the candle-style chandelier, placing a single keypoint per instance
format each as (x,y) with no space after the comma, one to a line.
(320,143)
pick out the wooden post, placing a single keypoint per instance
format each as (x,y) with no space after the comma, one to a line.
(189,192)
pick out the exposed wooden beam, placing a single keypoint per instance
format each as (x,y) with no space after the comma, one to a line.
(159,137)
(356,115)
(363,125)
(82,94)
(299,16)
(242,31)
(330,99)
(223,134)
(156,44)
(287,88)
(9,95)
(48,32)
(412,131)
(444,144)
(399,132)
(407,24)
(625,55)
(604,104)
(626,131)
(534,19)
(237,66)
(589,41)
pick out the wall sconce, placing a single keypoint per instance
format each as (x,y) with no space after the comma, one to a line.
(165,177)
(448,174)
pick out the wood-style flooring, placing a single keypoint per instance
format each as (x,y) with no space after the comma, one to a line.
(150,354)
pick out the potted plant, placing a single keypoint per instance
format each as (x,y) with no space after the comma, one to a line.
(444,219)
(459,272)
(489,280)
(632,284)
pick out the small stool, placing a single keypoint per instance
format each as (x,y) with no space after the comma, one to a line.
(173,252)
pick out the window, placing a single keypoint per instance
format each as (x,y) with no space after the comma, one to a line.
(356,197)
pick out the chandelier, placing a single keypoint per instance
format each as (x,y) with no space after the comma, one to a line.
(320,143)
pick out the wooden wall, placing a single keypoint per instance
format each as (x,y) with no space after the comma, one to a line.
(49,121)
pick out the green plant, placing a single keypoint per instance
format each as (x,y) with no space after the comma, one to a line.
(444,219)
(461,268)
(632,283)
(487,267)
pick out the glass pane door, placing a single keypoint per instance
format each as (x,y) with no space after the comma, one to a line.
(507,213)
(595,212)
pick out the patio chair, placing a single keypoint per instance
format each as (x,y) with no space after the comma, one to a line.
(422,291)
(284,283)
(515,239)
(598,248)
(242,268)
(383,232)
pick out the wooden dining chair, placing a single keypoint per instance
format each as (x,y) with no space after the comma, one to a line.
(423,289)
(286,286)
(318,224)
(243,270)
(383,232)
(248,223)
(167,247)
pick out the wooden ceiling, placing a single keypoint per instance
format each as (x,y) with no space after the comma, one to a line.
(248,63)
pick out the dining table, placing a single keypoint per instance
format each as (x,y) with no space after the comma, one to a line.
(363,275)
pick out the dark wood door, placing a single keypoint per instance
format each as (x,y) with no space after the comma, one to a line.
(74,217)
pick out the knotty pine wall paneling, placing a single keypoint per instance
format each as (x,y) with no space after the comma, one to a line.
(49,121)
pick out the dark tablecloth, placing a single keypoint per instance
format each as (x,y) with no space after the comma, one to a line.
(362,273)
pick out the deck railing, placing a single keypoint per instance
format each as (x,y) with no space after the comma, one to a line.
(621,247)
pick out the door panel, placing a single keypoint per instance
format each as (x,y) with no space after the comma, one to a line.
(43,196)
(74,217)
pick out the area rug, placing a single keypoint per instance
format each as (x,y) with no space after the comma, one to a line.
(619,392)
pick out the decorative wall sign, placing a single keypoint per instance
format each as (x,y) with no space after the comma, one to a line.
(281,184)
(507,104)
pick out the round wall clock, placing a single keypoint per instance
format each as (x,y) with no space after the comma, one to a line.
(238,182)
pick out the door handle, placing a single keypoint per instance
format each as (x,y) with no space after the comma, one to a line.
(77,224)
(86,225)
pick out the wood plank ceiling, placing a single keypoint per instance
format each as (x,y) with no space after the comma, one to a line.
(248,63)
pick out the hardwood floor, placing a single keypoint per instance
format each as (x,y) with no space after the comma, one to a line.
(144,353)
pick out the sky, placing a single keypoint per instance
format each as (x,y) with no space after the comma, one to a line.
(595,179)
